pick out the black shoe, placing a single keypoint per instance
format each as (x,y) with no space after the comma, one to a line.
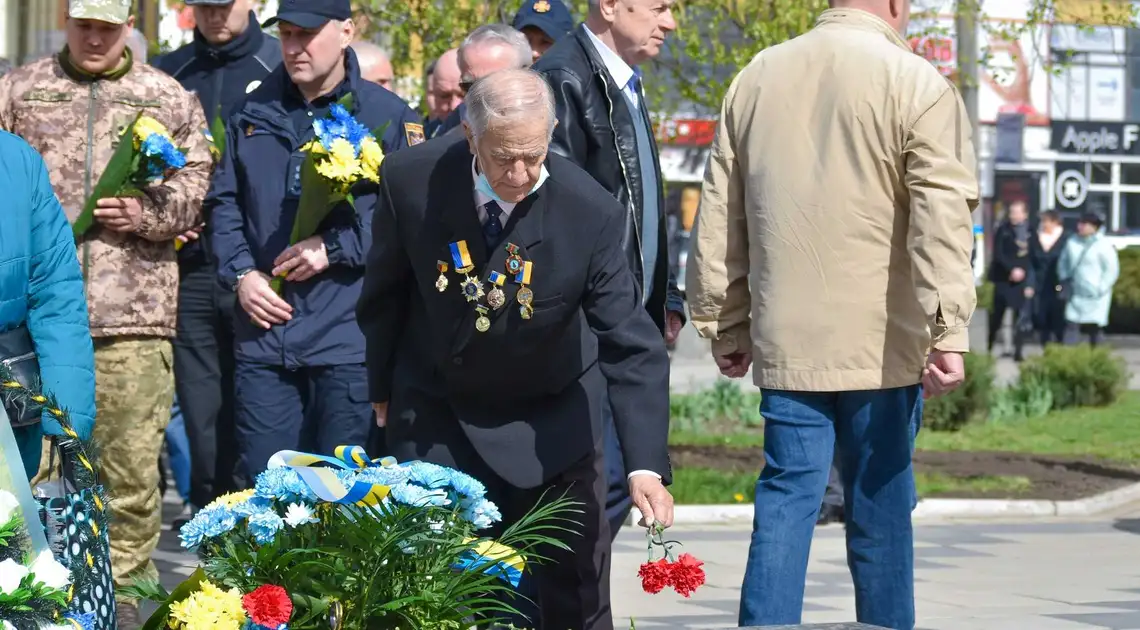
(830,514)
(128,615)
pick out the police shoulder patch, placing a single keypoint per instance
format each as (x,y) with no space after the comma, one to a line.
(414,133)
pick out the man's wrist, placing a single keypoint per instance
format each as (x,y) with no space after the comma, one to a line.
(636,473)
(241,276)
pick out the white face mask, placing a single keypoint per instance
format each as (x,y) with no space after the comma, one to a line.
(484,186)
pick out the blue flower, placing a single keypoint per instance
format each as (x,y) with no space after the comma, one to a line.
(469,487)
(385,475)
(209,523)
(283,484)
(430,475)
(482,514)
(415,496)
(84,621)
(264,526)
(253,506)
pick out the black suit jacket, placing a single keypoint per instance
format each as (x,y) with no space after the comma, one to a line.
(527,394)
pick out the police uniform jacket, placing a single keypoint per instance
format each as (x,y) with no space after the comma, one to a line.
(254,202)
(221,77)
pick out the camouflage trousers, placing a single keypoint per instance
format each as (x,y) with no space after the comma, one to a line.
(134,391)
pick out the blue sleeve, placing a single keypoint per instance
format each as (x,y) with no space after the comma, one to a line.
(402,126)
(224,220)
(57,307)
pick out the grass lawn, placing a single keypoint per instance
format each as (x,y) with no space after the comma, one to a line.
(705,486)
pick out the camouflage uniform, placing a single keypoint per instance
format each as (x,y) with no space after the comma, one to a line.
(74,121)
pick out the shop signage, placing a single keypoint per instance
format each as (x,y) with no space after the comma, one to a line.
(1072,189)
(1102,138)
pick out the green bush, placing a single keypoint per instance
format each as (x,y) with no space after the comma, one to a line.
(1126,291)
(985,293)
(722,406)
(1027,398)
(969,403)
(1078,376)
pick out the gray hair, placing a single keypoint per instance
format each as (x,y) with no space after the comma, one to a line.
(508,96)
(138,44)
(498,35)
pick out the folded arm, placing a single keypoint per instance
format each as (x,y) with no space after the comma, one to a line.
(940,176)
(176,206)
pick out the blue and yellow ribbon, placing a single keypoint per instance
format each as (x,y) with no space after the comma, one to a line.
(494,559)
(496,278)
(523,277)
(323,481)
(461,257)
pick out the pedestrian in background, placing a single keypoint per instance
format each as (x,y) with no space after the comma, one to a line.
(544,23)
(1012,273)
(1089,266)
(85,96)
(1050,242)
(832,255)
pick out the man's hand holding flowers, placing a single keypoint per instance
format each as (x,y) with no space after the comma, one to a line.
(303,260)
(119,214)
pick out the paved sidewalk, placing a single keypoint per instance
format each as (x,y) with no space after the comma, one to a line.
(1028,575)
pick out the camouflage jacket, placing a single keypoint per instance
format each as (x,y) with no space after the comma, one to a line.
(131,279)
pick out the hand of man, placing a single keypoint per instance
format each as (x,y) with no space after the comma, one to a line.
(119,214)
(673,324)
(192,234)
(381,410)
(652,499)
(1029,292)
(303,260)
(734,365)
(1017,275)
(264,306)
(943,373)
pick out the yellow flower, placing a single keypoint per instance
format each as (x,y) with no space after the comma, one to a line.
(739,497)
(145,127)
(341,165)
(314,147)
(371,156)
(233,498)
(210,608)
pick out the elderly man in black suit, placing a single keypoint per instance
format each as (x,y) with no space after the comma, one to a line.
(500,312)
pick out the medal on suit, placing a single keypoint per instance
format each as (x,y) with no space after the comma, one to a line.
(525,295)
(482,323)
(461,257)
(496,298)
(472,289)
(514,260)
(441,282)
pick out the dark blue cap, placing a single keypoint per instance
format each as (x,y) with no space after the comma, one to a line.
(311,13)
(549,16)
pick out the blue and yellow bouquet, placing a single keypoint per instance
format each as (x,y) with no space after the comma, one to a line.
(352,543)
(344,153)
(145,155)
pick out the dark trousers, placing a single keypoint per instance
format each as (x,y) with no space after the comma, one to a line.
(312,409)
(1007,297)
(618,501)
(1074,331)
(204,380)
(1050,318)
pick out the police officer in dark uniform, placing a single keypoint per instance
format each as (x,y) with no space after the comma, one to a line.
(301,381)
(229,57)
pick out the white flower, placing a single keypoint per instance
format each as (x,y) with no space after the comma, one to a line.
(11,574)
(298,514)
(6,625)
(9,506)
(49,572)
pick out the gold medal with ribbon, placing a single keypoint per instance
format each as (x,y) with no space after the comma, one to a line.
(525,296)
(461,257)
(496,298)
(441,282)
(482,323)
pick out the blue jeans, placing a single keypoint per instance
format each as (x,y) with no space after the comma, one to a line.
(178,450)
(875,433)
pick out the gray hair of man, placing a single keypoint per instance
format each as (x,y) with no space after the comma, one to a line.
(500,35)
(506,97)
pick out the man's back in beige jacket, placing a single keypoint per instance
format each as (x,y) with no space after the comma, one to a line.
(832,247)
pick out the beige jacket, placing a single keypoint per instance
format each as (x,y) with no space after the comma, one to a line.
(834,232)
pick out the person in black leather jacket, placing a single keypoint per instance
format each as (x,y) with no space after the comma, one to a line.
(604,127)
(229,58)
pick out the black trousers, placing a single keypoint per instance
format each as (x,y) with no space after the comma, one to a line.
(1050,319)
(204,380)
(313,409)
(1007,296)
(1074,331)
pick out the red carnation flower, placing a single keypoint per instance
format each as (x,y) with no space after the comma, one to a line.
(268,606)
(655,576)
(686,574)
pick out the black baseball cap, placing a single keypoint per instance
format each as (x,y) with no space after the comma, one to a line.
(549,16)
(311,13)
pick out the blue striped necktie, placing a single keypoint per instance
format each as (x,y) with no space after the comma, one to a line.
(493,226)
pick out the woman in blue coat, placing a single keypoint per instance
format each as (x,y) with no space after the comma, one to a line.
(1091,264)
(41,292)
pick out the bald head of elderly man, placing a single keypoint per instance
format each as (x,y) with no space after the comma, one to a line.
(375,66)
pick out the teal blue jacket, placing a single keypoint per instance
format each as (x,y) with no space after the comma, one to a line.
(1093,277)
(41,287)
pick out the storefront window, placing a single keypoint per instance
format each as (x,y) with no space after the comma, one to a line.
(1101,172)
(1130,174)
(1130,213)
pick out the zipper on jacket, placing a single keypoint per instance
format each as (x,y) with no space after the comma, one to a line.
(625,180)
(23,357)
(92,105)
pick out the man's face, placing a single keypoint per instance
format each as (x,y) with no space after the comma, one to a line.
(539,41)
(639,27)
(446,94)
(312,54)
(477,62)
(1018,213)
(221,24)
(380,73)
(511,155)
(97,46)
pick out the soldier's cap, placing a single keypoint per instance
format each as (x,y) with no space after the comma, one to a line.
(549,16)
(311,13)
(208,3)
(110,11)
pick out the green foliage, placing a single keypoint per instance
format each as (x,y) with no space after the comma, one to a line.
(1028,398)
(1078,376)
(969,403)
(985,293)
(1126,292)
(724,405)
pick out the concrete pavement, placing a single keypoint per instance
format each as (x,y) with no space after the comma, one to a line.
(1080,574)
